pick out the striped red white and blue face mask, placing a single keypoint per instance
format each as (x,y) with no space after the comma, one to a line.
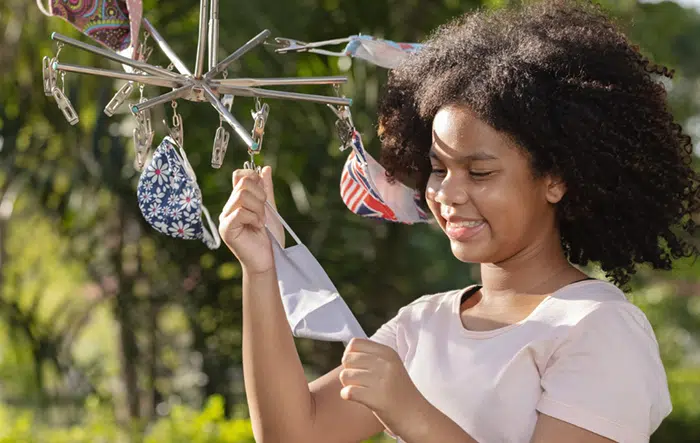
(366,191)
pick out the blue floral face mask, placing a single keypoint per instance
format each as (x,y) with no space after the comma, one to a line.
(170,199)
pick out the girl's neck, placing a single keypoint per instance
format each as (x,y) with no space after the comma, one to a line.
(539,269)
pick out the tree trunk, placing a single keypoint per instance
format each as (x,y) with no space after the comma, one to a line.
(129,352)
(155,396)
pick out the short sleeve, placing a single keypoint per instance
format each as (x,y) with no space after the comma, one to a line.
(393,333)
(387,334)
(607,376)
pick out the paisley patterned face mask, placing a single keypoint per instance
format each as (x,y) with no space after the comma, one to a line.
(113,23)
(170,199)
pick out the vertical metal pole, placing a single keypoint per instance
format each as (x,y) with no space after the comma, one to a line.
(202,40)
(213,33)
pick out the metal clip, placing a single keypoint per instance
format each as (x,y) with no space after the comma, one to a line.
(145,52)
(177,132)
(65,105)
(148,124)
(260,116)
(140,148)
(220,146)
(344,125)
(227,101)
(145,125)
(283,45)
(49,74)
(122,94)
(143,136)
(222,136)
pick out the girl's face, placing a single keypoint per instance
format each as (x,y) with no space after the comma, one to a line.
(483,193)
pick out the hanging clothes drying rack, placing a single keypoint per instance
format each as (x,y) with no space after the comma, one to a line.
(212,86)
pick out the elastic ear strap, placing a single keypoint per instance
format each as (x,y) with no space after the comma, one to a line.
(213,231)
(186,162)
(43,8)
(284,223)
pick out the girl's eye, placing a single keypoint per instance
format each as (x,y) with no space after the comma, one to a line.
(475,174)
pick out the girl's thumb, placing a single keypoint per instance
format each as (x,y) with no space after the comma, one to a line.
(267,185)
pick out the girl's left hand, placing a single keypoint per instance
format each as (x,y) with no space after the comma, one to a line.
(374,375)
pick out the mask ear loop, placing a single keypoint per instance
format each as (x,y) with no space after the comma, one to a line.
(43,8)
(211,235)
(210,231)
(284,223)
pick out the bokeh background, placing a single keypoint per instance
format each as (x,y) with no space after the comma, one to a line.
(111,332)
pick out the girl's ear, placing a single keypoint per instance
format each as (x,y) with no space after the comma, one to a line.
(556,188)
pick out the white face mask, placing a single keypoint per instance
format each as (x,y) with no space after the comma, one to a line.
(313,305)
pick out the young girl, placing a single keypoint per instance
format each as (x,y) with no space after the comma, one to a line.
(542,140)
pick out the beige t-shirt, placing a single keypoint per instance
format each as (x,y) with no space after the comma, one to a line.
(585,355)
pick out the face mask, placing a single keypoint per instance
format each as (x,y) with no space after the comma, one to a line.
(170,199)
(384,53)
(313,305)
(113,23)
(380,52)
(366,191)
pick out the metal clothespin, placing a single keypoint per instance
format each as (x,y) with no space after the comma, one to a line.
(122,94)
(65,105)
(141,153)
(143,133)
(143,53)
(344,126)
(262,111)
(49,75)
(144,122)
(142,142)
(222,136)
(147,125)
(283,45)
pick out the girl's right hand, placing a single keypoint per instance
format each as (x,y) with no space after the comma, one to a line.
(242,221)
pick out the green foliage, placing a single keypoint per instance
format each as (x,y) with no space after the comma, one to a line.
(184,425)
(181,425)
(20,426)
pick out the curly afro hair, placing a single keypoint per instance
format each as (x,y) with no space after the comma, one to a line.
(562,81)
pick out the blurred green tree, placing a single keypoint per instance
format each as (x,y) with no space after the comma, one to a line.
(168,311)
